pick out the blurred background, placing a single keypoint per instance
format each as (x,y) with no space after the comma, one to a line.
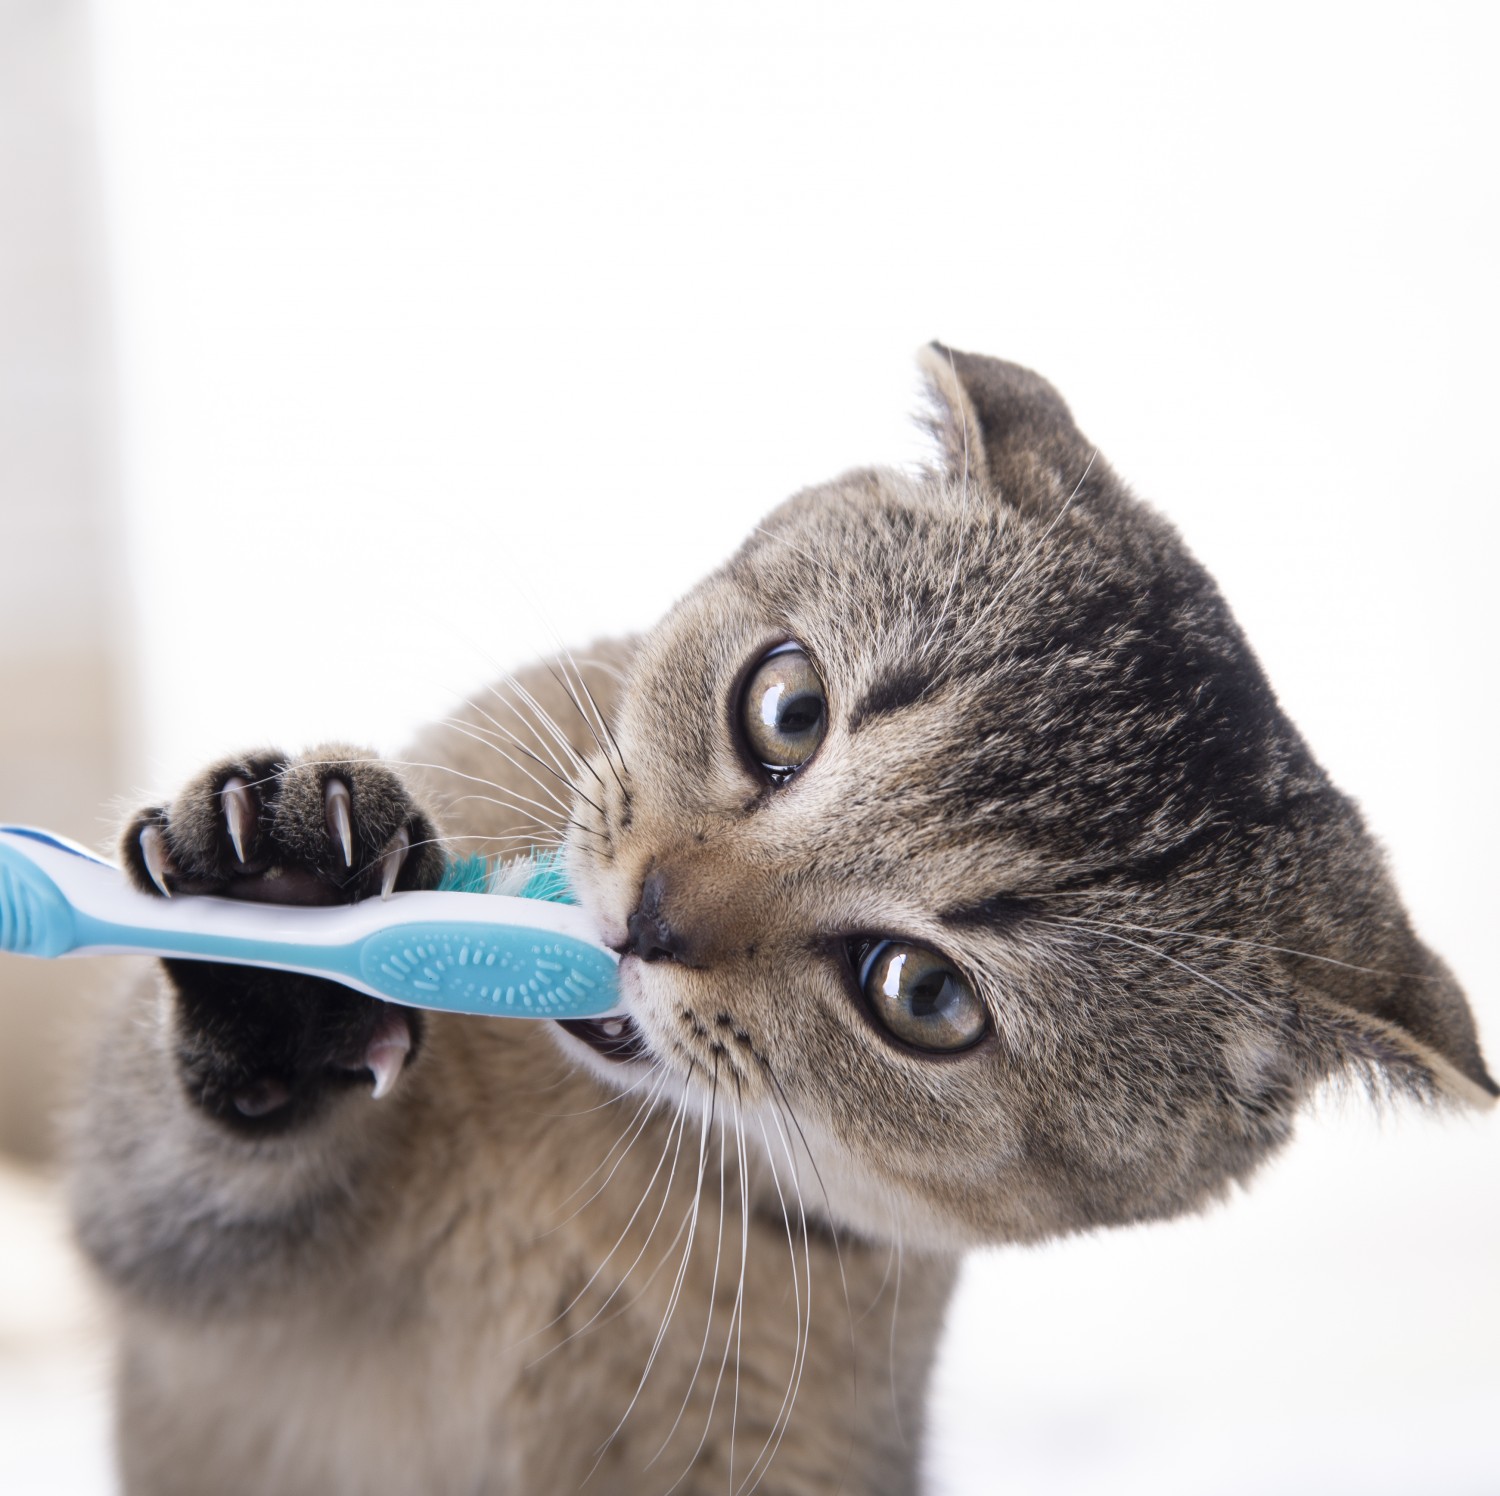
(350,351)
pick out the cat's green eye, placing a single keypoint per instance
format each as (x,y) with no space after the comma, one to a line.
(783,711)
(920,997)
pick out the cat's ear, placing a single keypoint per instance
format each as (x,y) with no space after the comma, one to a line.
(1336,1040)
(991,418)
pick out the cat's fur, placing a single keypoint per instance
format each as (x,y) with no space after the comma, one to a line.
(1050,755)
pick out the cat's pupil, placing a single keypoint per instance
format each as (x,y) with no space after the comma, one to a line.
(783,713)
(918,996)
(930,994)
(799,715)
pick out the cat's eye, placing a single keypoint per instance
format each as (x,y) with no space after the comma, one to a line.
(920,997)
(783,711)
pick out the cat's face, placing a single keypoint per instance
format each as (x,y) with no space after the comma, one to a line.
(954,820)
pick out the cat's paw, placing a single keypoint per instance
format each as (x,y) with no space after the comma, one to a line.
(259,1048)
(328,828)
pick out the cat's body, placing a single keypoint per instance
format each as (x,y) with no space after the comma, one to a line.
(1039,916)
(386,1302)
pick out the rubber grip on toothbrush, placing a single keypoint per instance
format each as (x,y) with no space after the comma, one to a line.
(500,970)
(36,918)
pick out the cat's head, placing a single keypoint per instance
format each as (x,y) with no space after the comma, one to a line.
(953,824)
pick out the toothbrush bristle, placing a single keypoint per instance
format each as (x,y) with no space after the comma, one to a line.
(468,875)
(536,875)
(532,875)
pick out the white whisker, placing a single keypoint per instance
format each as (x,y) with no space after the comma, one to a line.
(633,1130)
(676,1289)
(679,1130)
(484,737)
(803,1338)
(708,1324)
(1254,945)
(549,732)
(1150,950)
(895,1309)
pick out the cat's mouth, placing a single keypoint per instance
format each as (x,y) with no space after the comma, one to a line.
(615,1038)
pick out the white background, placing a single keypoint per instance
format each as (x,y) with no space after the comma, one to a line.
(446,329)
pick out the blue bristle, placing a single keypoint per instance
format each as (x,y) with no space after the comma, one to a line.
(537,875)
(548,880)
(466,875)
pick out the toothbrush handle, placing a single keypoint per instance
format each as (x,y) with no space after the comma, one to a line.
(457,952)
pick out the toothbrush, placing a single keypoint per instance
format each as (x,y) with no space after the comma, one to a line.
(525,955)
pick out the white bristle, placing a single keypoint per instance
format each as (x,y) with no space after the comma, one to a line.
(513,876)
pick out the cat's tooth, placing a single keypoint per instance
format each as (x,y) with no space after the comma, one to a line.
(386,1056)
(239,812)
(340,823)
(391,860)
(154,854)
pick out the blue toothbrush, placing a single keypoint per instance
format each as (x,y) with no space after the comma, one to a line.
(526,955)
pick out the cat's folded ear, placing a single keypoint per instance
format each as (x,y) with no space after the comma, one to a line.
(993,420)
(1429,1050)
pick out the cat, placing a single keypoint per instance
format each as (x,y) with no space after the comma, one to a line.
(971,888)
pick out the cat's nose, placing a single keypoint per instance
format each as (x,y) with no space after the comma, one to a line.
(651,937)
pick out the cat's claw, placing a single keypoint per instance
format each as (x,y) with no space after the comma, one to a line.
(391,860)
(154,855)
(386,1056)
(340,822)
(239,814)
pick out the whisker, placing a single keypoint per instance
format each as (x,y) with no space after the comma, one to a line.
(578,707)
(676,1290)
(885,1277)
(556,766)
(1237,997)
(556,801)
(790,1241)
(738,1320)
(603,720)
(633,1130)
(544,815)
(732,1334)
(544,718)
(657,1069)
(483,737)
(667,1147)
(626,1304)
(783,1420)
(514,800)
(833,1229)
(566,654)
(895,1309)
(1255,945)
(687,1396)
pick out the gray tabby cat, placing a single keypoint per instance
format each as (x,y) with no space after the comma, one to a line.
(971,888)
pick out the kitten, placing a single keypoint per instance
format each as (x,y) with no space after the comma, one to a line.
(971,888)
